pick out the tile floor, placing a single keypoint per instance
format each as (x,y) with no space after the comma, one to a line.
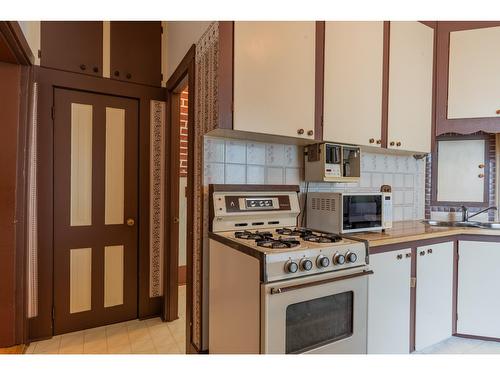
(458,345)
(150,336)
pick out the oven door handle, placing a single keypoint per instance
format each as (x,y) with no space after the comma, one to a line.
(319,282)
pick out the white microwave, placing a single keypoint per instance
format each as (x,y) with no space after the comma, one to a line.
(349,212)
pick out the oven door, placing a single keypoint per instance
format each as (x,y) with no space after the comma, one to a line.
(361,212)
(317,314)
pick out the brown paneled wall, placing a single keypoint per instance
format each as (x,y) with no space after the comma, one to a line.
(10,77)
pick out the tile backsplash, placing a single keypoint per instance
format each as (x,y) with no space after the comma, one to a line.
(229,161)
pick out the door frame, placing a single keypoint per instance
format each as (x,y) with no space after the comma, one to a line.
(41,326)
(184,73)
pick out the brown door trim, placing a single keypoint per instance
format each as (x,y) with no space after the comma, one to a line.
(185,73)
(319,80)
(41,326)
(12,35)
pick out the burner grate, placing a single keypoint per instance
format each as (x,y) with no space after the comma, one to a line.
(281,243)
(249,235)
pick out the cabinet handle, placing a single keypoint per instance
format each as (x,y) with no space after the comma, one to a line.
(371,140)
(429,251)
(83,67)
(398,143)
(481,165)
(379,141)
(96,69)
(392,144)
(399,256)
(300,131)
(117,73)
(498,112)
(480,175)
(422,253)
(408,255)
(129,75)
(310,133)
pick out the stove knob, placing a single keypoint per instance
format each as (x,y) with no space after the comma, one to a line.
(338,259)
(291,267)
(322,261)
(351,257)
(306,264)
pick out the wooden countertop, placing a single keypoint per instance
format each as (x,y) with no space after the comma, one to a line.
(406,231)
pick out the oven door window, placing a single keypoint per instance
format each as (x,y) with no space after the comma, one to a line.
(314,323)
(362,211)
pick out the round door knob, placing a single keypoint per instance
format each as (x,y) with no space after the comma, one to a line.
(130,222)
(398,144)
(96,69)
(399,256)
(498,112)
(306,264)
(322,261)
(422,253)
(310,133)
(300,131)
(392,143)
(480,175)
(291,267)
(371,140)
(129,75)
(83,67)
(116,73)
(379,141)
(351,257)
(338,259)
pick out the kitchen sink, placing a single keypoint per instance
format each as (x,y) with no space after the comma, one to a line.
(437,223)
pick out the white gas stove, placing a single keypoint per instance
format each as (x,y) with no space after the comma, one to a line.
(275,287)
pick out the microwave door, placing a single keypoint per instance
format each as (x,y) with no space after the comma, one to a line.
(362,211)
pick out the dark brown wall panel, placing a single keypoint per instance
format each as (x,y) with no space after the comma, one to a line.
(136,51)
(10,76)
(72,46)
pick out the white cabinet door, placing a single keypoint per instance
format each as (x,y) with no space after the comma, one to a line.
(389,303)
(478,306)
(411,56)
(434,305)
(353,82)
(473,78)
(274,78)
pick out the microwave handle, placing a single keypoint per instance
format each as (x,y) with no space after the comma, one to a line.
(319,282)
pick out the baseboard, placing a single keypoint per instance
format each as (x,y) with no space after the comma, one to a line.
(485,338)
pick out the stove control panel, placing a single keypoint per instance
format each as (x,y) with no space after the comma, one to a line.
(281,266)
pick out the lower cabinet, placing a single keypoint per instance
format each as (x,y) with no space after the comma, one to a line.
(478,306)
(434,294)
(389,303)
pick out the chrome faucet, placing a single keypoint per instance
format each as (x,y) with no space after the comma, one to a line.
(466,216)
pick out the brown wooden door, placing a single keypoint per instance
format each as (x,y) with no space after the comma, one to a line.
(135,52)
(74,46)
(95,210)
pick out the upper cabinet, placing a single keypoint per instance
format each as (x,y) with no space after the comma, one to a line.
(72,46)
(353,82)
(474,79)
(274,78)
(135,51)
(411,62)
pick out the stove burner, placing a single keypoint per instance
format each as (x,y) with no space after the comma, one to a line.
(294,231)
(248,235)
(322,238)
(281,243)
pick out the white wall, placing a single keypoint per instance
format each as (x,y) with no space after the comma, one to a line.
(31,31)
(180,36)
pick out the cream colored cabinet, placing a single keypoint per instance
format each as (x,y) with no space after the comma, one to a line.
(434,303)
(478,301)
(389,303)
(411,56)
(274,78)
(473,77)
(353,82)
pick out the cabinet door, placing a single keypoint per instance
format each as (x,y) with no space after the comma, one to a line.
(353,82)
(411,57)
(478,307)
(72,46)
(473,79)
(434,305)
(389,303)
(135,51)
(274,78)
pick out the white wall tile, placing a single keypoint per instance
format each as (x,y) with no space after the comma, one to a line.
(398,197)
(293,156)
(275,155)
(274,175)
(256,174)
(408,197)
(409,180)
(365,180)
(235,174)
(292,176)
(398,213)
(256,153)
(214,150)
(408,213)
(214,173)
(388,179)
(399,180)
(236,152)
(377,180)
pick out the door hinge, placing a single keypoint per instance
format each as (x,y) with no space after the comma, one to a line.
(413,282)
(53,113)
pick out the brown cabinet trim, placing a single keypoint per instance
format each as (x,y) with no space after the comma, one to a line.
(19,51)
(385,84)
(443,124)
(319,80)
(225,72)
